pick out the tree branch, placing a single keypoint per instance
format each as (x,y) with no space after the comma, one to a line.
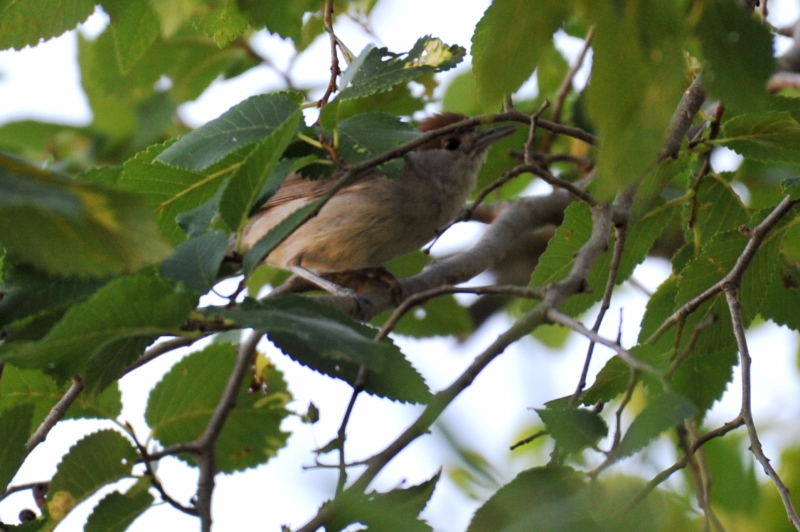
(55,415)
(735,308)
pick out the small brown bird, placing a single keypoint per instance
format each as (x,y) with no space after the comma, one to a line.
(376,219)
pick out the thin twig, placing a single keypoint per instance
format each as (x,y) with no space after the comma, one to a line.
(527,440)
(358,387)
(423,297)
(207,441)
(735,308)
(162,348)
(566,87)
(335,72)
(757,236)
(55,415)
(680,464)
(620,233)
(556,316)
(528,148)
(154,480)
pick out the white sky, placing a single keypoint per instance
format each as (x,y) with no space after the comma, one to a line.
(43,83)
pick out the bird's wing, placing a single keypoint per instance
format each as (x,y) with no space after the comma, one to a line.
(297,187)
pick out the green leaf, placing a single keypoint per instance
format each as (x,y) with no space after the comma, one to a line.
(26,22)
(242,125)
(245,185)
(396,510)
(573,429)
(613,378)
(559,257)
(378,69)
(223,24)
(283,18)
(738,54)
(331,343)
(134,26)
(196,262)
(367,135)
(170,191)
(275,236)
(791,187)
(181,404)
(735,488)
(661,413)
(556,262)
(717,209)
(96,460)
(398,101)
(638,65)
(15,426)
(770,137)
(78,228)
(36,388)
(115,512)
(542,498)
(509,41)
(28,292)
(125,309)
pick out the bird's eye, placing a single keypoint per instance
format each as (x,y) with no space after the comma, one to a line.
(452,143)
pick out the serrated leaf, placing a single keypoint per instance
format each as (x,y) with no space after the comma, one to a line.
(378,69)
(27,291)
(769,137)
(245,184)
(124,309)
(116,511)
(283,18)
(182,403)
(556,262)
(661,413)
(26,22)
(508,44)
(536,497)
(15,426)
(34,387)
(367,135)
(717,209)
(612,379)
(134,26)
(169,191)
(559,257)
(98,459)
(791,187)
(638,64)
(223,23)
(331,343)
(240,126)
(738,54)
(573,429)
(396,510)
(735,488)
(78,228)
(196,261)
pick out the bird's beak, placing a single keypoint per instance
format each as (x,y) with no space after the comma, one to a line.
(490,135)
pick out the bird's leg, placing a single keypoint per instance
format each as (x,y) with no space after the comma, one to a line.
(321,282)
